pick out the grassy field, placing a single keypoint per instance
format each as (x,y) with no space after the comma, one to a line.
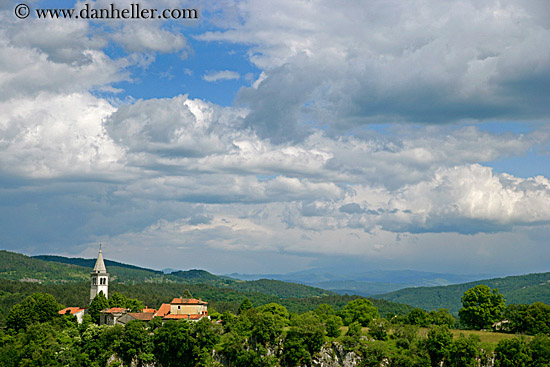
(488,337)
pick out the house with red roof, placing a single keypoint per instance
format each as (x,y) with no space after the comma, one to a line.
(79,312)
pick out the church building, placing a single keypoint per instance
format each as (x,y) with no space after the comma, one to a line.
(100,278)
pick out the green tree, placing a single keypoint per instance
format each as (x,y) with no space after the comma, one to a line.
(418,317)
(512,353)
(324,311)
(99,303)
(187,294)
(275,309)
(174,344)
(360,310)
(135,343)
(481,307)
(439,344)
(465,351)
(441,317)
(537,318)
(539,349)
(516,314)
(38,307)
(333,324)
(245,305)
(379,328)
(304,338)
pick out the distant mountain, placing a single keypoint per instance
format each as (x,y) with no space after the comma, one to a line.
(364,283)
(516,289)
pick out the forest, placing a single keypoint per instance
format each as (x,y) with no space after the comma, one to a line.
(271,335)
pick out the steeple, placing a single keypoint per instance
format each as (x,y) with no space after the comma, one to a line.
(99,264)
(99,277)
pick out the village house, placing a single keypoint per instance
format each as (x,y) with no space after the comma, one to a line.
(180,308)
(79,312)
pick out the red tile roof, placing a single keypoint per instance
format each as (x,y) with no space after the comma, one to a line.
(114,310)
(72,310)
(179,317)
(163,310)
(188,301)
(147,309)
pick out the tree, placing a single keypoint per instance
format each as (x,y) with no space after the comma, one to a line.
(120,300)
(378,329)
(465,351)
(187,294)
(441,317)
(537,318)
(275,309)
(360,310)
(304,338)
(418,317)
(245,305)
(99,303)
(333,324)
(38,307)
(481,307)
(540,350)
(174,344)
(512,353)
(439,344)
(134,343)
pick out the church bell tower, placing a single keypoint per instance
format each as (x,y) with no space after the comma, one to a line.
(100,278)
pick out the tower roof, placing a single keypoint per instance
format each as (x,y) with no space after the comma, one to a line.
(99,264)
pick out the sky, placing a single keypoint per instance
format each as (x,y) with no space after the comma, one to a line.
(278,136)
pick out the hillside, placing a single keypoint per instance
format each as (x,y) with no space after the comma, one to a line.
(516,289)
(14,266)
(353,280)
(131,274)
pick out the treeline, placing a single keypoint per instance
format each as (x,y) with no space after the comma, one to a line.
(528,288)
(155,294)
(269,335)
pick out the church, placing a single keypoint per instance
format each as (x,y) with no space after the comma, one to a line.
(180,308)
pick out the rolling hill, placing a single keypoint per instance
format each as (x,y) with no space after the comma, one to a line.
(21,276)
(516,289)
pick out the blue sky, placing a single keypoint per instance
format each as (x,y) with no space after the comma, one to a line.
(279,136)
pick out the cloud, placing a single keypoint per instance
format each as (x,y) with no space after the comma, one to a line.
(214,76)
(423,62)
(148,37)
(57,135)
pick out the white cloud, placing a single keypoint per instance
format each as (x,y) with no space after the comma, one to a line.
(352,63)
(57,135)
(214,76)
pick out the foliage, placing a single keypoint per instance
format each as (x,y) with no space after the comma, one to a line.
(481,307)
(515,289)
(304,338)
(360,310)
(173,344)
(439,344)
(38,307)
(512,353)
(333,324)
(245,305)
(119,300)
(379,328)
(465,351)
(99,303)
